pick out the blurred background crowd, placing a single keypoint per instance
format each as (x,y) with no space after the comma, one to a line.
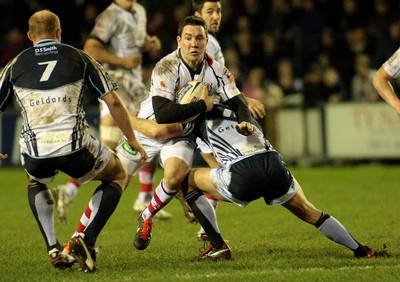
(284,52)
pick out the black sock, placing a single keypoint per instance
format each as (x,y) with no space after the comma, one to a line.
(110,194)
(193,199)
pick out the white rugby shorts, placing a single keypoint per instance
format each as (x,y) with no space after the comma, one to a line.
(182,148)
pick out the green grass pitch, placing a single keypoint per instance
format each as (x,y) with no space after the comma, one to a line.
(268,243)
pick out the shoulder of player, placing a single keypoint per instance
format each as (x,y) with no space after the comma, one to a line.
(112,12)
(212,40)
(213,63)
(167,64)
(139,8)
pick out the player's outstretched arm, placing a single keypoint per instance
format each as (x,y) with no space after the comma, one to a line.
(382,84)
(154,130)
(256,107)
(3,156)
(121,117)
(100,53)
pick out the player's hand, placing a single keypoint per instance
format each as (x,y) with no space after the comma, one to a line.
(134,114)
(189,215)
(207,98)
(186,209)
(135,145)
(3,156)
(245,128)
(256,107)
(153,44)
(131,62)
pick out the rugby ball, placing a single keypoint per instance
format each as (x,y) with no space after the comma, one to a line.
(190,92)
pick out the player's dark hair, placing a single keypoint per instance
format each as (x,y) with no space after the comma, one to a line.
(191,20)
(197,5)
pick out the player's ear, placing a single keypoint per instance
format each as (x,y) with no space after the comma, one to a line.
(178,40)
(197,14)
(58,33)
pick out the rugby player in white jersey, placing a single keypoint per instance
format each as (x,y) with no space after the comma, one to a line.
(189,62)
(211,12)
(388,71)
(118,40)
(48,82)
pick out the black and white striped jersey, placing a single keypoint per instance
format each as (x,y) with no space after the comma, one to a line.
(48,81)
(217,129)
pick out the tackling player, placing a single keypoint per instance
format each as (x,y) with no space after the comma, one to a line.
(250,169)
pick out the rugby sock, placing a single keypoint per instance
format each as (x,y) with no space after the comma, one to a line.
(102,205)
(214,202)
(205,214)
(146,179)
(84,221)
(72,188)
(162,196)
(335,231)
(42,206)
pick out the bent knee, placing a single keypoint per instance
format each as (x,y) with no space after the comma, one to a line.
(173,183)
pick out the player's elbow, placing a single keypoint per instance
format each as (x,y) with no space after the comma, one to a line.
(156,134)
(112,100)
(375,80)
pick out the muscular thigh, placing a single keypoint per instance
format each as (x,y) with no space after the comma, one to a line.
(201,179)
(176,158)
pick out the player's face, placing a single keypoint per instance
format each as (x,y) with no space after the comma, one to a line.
(211,13)
(126,4)
(193,44)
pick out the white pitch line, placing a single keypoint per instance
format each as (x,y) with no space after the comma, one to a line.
(278,270)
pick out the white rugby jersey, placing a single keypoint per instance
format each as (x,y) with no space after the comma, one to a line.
(171,73)
(214,49)
(392,65)
(48,81)
(217,129)
(124,32)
